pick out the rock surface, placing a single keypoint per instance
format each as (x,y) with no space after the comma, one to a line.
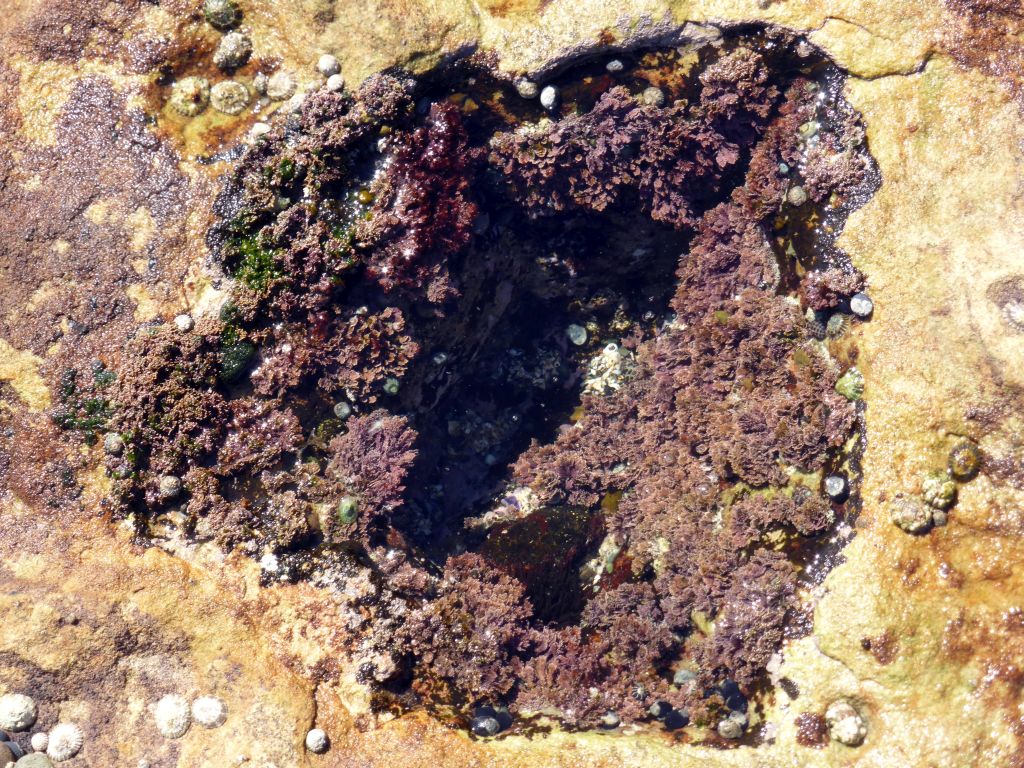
(102,227)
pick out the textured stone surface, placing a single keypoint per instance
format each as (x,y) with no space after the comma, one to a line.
(102,219)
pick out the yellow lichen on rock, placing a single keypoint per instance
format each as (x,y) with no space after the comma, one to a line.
(21,370)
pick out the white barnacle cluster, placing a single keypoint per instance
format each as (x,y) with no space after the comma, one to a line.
(608,370)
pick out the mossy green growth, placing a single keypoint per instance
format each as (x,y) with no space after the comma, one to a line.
(234,359)
(235,351)
(324,432)
(83,408)
(257,262)
(286,169)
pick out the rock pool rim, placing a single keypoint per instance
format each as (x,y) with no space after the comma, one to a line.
(393,393)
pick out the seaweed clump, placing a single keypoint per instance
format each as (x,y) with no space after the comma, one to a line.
(392,382)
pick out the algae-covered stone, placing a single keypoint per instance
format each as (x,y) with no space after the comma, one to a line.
(229,97)
(222,14)
(851,384)
(348,509)
(190,95)
(938,490)
(234,51)
(845,724)
(234,360)
(910,514)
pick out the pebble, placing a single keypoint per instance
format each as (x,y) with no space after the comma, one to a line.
(35,760)
(335,83)
(504,717)
(184,323)
(328,65)
(169,488)
(485,726)
(615,65)
(683,677)
(281,86)
(845,724)
(910,514)
(577,334)
(659,709)
(836,487)
(113,444)
(259,129)
(66,740)
(209,711)
(861,305)
(17,712)
(610,720)
(229,97)
(733,726)
(348,510)
(737,702)
(269,563)
(222,14)
(234,51)
(40,741)
(676,719)
(796,196)
(549,97)
(173,716)
(527,89)
(317,741)
(653,97)
(190,95)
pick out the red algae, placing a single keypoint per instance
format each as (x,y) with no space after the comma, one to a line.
(421,292)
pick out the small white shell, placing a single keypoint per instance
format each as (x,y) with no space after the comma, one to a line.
(317,741)
(549,97)
(327,65)
(17,712)
(209,711)
(172,716)
(40,741)
(65,741)
(845,723)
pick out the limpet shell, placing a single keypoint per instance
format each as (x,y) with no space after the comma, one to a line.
(66,739)
(209,711)
(173,716)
